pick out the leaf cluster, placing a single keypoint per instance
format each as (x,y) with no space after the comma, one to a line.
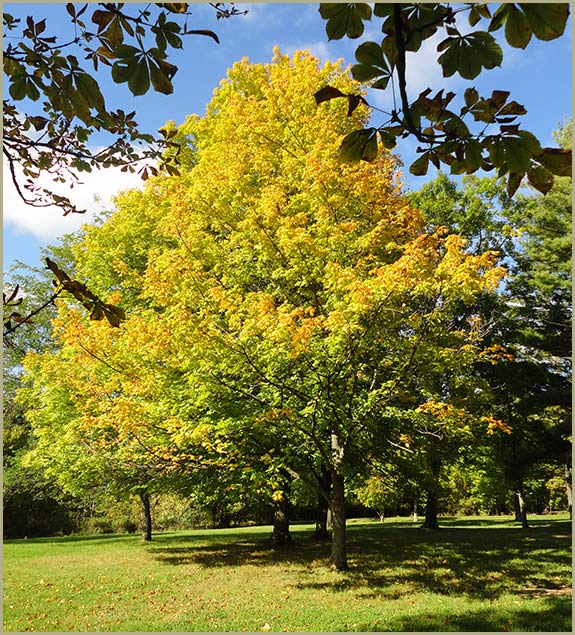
(42,69)
(446,135)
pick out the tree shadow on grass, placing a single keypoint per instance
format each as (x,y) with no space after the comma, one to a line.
(256,549)
(389,562)
(553,615)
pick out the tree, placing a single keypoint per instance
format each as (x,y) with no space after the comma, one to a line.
(32,505)
(281,311)
(442,132)
(93,418)
(74,389)
(528,390)
(56,138)
(304,300)
(378,494)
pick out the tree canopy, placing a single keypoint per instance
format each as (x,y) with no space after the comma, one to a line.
(55,107)
(281,311)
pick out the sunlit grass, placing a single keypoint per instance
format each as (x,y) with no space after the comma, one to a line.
(482,574)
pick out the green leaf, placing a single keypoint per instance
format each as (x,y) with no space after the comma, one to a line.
(161,41)
(372,64)
(81,107)
(517,28)
(359,145)
(499,17)
(557,160)
(381,84)
(473,155)
(388,140)
(477,12)
(122,71)
(326,93)
(468,54)
(371,53)
(419,166)
(114,34)
(496,152)
(173,40)
(160,82)
(139,81)
(389,49)
(363,72)
(90,90)
(344,19)
(517,154)
(18,87)
(125,51)
(383,9)
(458,167)
(547,20)
(540,178)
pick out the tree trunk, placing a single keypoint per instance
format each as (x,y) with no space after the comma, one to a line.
(281,534)
(519,503)
(338,539)
(569,491)
(321,532)
(146,517)
(432,499)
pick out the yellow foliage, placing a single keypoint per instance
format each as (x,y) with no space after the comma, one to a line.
(496,353)
(496,424)
(440,410)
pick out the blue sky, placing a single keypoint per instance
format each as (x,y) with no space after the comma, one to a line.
(539,78)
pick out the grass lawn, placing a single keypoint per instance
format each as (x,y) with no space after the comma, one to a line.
(474,574)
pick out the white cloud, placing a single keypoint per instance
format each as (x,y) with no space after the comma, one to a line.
(94,193)
(421,71)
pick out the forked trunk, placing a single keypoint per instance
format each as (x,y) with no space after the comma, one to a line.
(146,517)
(338,538)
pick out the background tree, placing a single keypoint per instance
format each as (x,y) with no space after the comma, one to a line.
(31,504)
(530,386)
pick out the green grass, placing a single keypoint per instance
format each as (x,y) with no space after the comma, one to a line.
(479,574)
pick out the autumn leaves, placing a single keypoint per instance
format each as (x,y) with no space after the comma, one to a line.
(277,302)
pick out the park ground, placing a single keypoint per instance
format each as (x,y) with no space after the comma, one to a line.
(474,574)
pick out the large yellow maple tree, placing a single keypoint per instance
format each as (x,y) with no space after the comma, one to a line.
(292,298)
